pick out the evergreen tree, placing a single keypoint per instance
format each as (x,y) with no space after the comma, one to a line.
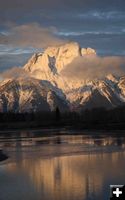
(58,114)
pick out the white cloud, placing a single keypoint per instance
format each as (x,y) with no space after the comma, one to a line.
(15,72)
(90,67)
(30,35)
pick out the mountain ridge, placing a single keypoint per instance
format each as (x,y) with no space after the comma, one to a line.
(46,88)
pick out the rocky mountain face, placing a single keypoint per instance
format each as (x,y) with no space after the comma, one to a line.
(48,65)
(46,88)
(30,95)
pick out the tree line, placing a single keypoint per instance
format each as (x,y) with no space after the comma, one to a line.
(94,118)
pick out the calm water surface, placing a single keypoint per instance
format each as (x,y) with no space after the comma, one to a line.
(47,166)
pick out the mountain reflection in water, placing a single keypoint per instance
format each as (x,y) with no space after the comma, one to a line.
(29,175)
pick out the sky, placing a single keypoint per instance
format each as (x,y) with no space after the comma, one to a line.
(29,26)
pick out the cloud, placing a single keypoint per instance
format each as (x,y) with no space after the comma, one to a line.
(102,15)
(15,72)
(87,67)
(95,23)
(90,67)
(82,33)
(32,35)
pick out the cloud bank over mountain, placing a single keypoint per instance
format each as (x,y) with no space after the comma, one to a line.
(71,61)
(13,73)
(30,35)
(91,67)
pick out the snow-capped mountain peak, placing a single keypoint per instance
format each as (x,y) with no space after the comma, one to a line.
(47,88)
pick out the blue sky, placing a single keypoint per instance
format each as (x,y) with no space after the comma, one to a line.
(29,26)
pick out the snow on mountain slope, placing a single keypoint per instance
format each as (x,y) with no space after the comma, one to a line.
(47,88)
(98,93)
(53,59)
(29,95)
(49,64)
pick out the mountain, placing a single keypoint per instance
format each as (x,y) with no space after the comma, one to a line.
(49,64)
(30,95)
(47,88)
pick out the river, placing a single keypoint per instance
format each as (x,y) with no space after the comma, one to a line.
(60,165)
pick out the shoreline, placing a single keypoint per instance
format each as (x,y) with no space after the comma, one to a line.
(51,131)
(78,153)
(77,126)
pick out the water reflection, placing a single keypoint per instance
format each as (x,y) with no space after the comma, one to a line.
(80,177)
(32,139)
(36,172)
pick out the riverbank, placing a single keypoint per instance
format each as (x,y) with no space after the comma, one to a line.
(77,126)
(58,131)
